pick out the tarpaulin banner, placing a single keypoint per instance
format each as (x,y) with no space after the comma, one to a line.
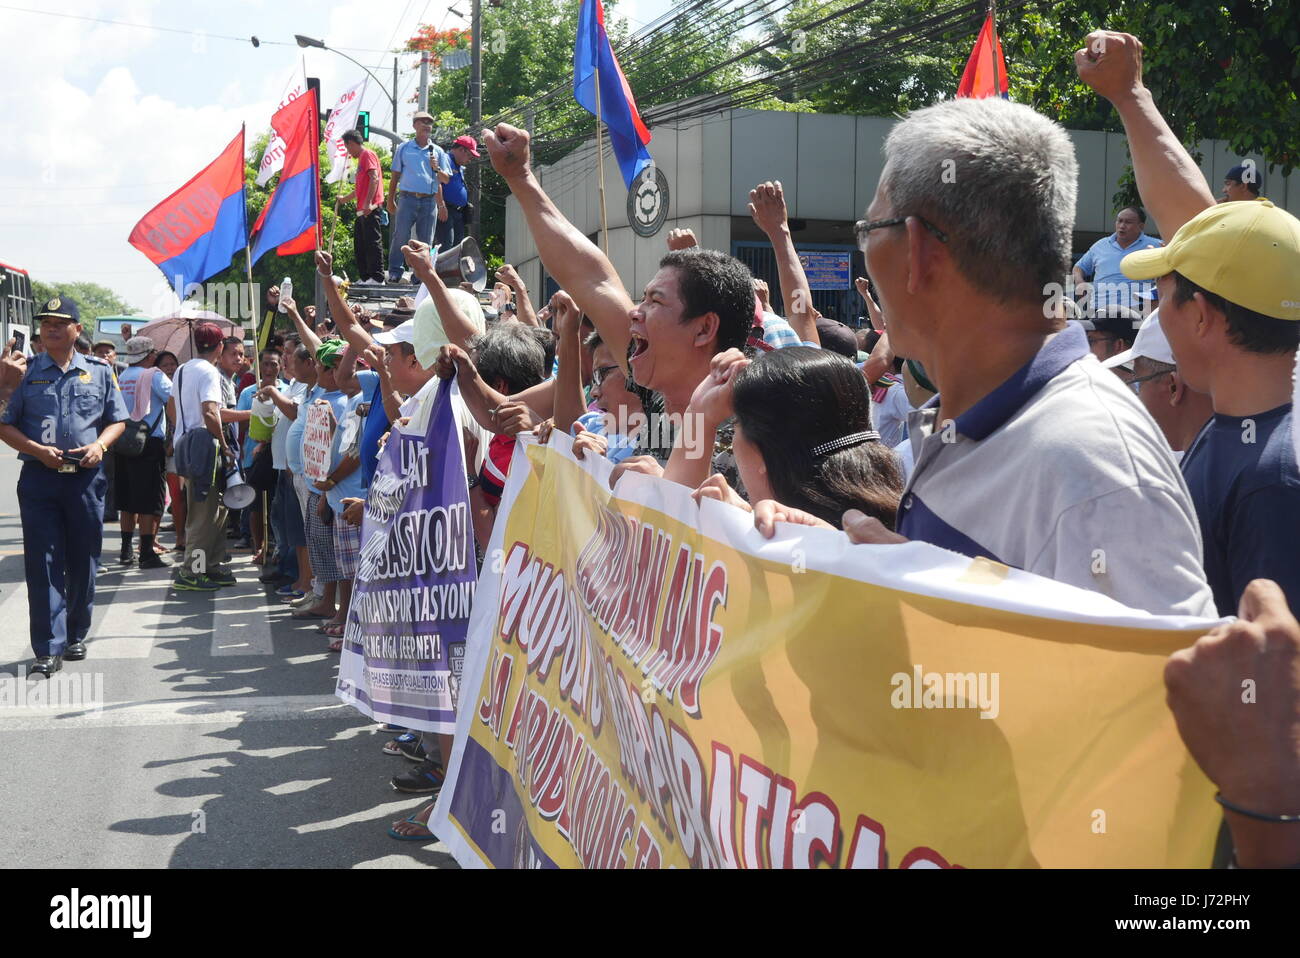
(404,642)
(651,683)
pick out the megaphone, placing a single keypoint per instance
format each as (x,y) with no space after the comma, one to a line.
(238,494)
(463,263)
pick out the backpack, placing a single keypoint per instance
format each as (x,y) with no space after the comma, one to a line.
(131,444)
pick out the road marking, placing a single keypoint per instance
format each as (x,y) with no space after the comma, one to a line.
(187,711)
(126,624)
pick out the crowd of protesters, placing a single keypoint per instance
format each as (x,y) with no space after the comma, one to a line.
(1016,426)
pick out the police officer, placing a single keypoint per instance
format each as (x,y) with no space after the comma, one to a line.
(62,418)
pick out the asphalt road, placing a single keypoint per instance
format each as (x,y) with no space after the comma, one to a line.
(219,742)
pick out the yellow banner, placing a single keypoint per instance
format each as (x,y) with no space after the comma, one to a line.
(651,684)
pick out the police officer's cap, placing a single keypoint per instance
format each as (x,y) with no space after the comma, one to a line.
(60,307)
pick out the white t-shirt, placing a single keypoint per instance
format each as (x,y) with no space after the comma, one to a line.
(279,438)
(200,382)
(889,417)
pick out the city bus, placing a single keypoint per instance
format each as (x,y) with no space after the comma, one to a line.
(16,307)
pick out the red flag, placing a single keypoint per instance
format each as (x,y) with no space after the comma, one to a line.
(290,222)
(977,78)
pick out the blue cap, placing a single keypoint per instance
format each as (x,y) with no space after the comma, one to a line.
(1239,173)
(60,307)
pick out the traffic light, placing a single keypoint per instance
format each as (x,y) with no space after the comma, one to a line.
(363,124)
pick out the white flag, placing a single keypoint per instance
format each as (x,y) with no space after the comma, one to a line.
(342,118)
(273,158)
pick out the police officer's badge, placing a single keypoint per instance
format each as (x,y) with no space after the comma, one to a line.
(85,377)
(55,303)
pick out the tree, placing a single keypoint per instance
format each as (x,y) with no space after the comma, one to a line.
(528,53)
(92,300)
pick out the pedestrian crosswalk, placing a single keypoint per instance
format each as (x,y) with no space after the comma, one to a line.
(137,613)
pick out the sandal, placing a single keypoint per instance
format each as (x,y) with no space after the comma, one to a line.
(420,819)
(394,747)
(336,646)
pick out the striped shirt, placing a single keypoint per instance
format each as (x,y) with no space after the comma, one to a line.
(1060,472)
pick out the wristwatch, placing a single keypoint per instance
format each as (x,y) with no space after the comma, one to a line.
(100,444)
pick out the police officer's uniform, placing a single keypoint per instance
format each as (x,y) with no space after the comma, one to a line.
(62,512)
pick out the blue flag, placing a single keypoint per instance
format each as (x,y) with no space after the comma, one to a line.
(592,52)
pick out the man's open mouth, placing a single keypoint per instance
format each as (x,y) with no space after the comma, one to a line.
(639,345)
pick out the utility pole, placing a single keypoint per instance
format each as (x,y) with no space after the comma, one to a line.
(475,108)
(395,94)
(423,102)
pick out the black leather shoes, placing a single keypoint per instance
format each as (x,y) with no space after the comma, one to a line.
(45,665)
(75,652)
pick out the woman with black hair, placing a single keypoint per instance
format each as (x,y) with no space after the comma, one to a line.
(803,435)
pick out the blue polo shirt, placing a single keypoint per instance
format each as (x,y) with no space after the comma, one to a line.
(411,163)
(1241,471)
(1060,471)
(1101,264)
(454,192)
(65,409)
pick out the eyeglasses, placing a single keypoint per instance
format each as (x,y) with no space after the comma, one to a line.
(862,227)
(1155,375)
(598,375)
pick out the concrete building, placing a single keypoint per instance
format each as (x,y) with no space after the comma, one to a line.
(828,166)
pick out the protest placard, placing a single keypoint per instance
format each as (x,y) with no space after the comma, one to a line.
(403,645)
(317,438)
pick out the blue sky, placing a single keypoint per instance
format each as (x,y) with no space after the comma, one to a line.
(106,120)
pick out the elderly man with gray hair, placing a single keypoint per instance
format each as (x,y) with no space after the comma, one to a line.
(1032,454)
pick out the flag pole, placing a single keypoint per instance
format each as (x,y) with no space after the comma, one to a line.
(252,292)
(993,45)
(600,166)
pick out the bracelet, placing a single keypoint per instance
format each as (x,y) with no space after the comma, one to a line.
(100,444)
(1260,816)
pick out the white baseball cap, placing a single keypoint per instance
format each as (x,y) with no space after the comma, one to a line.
(404,333)
(1150,343)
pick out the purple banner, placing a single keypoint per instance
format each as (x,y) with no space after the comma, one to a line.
(404,644)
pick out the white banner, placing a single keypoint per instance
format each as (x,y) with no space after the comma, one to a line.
(342,118)
(273,158)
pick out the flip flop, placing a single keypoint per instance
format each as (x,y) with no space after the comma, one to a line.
(415,820)
(336,646)
(307,614)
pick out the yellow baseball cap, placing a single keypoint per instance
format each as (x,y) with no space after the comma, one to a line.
(1246,251)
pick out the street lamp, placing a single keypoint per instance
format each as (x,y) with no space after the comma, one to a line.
(306,42)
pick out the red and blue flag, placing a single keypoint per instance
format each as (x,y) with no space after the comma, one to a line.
(978,79)
(193,234)
(592,54)
(290,221)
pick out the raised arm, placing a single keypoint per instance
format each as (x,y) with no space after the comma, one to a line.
(305,332)
(577,264)
(454,323)
(344,320)
(523,305)
(1168,179)
(569,401)
(767,207)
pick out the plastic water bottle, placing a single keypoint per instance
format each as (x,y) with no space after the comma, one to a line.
(286,292)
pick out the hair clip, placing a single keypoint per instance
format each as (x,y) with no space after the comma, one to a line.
(844,442)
